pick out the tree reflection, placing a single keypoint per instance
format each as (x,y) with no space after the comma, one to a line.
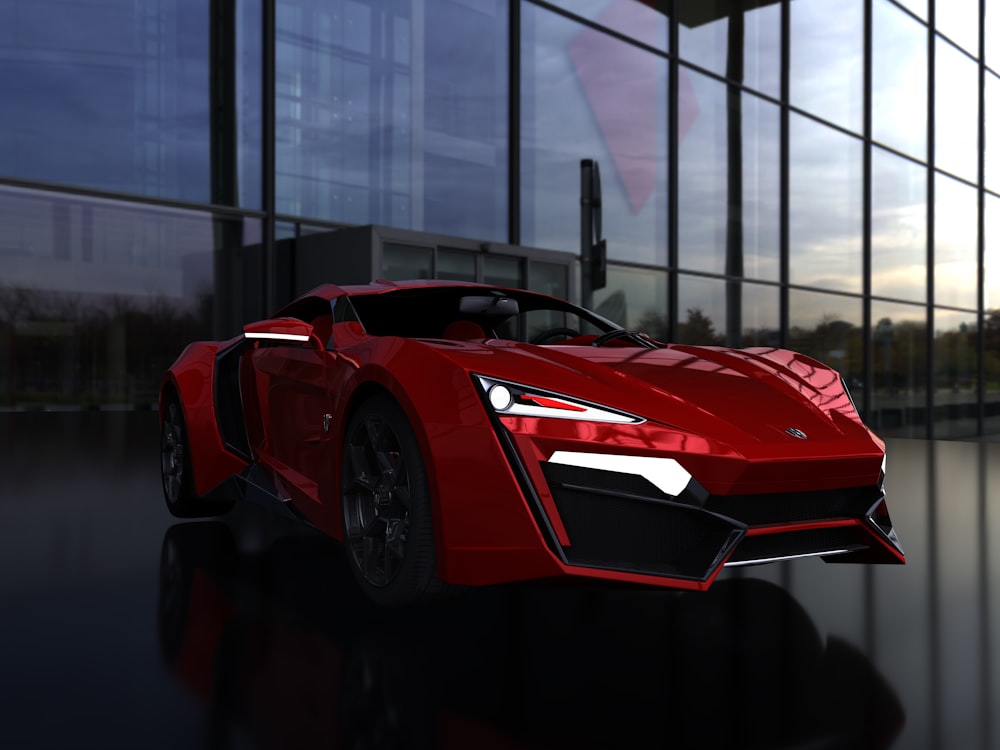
(58,348)
(991,349)
(699,329)
(833,341)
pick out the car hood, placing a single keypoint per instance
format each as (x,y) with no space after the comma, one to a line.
(733,395)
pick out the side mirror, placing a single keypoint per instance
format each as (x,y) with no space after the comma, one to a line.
(288,330)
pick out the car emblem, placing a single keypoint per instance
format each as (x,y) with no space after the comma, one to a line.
(796,432)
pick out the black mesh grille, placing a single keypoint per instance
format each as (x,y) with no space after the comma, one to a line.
(792,507)
(808,542)
(629,533)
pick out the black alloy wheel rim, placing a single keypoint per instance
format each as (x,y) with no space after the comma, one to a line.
(172,453)
(376,501)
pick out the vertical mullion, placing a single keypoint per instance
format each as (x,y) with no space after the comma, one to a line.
(981,232)
(514,124)
(929,334)
(867,358)
(673,181)
(783,179)
(269,32)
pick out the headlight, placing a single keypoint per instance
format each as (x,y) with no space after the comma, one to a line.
(516,400)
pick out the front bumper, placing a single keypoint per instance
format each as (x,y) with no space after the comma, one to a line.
(647,516)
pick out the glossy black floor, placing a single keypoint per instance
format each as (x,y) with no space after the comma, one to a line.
(121,628)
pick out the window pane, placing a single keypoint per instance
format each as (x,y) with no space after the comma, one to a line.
(503,271)
(456,265)
(992,254)
(899,80)
(916,6)
(713,33)
(729,313)
(959,21)
(992,316)
(638,19)
(899,227)
(118,96)
(728,220)
(549,278)
(402,262)
(389,118)
(635,298)
(587,95)
(991,150)
(824,206)
(99,297)
(827,59)
(992,32)
(899,362)
(956,108)
(956,374)
(827,327)
(956,269)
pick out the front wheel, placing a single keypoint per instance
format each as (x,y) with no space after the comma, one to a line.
(388,526)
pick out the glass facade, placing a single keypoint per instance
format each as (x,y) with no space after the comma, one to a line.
(816,174)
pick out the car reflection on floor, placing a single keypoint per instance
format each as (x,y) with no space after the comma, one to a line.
(275,639)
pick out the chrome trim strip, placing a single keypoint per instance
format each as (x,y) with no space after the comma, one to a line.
(763,560)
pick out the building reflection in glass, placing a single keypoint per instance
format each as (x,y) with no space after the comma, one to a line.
(587,94)
(712,200)
(120,97)
(98,297)
(393,114)
(706,32)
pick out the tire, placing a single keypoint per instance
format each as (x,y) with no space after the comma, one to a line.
(385,503)
(175,468)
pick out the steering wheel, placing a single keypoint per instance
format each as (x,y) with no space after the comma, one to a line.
(549,333)
(621,333)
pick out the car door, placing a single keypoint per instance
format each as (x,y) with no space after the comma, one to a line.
(291,381)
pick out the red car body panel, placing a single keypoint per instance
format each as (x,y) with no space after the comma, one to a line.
(745,424)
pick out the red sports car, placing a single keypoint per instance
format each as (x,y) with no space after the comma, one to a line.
(455,433)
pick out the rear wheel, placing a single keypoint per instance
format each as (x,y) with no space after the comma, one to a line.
(388,526)
(175,468)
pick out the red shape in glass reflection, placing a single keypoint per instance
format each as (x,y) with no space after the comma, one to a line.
(621,86)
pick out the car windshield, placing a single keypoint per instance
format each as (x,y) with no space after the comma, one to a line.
(439,312)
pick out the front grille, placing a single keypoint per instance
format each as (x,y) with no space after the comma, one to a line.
(631,533)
